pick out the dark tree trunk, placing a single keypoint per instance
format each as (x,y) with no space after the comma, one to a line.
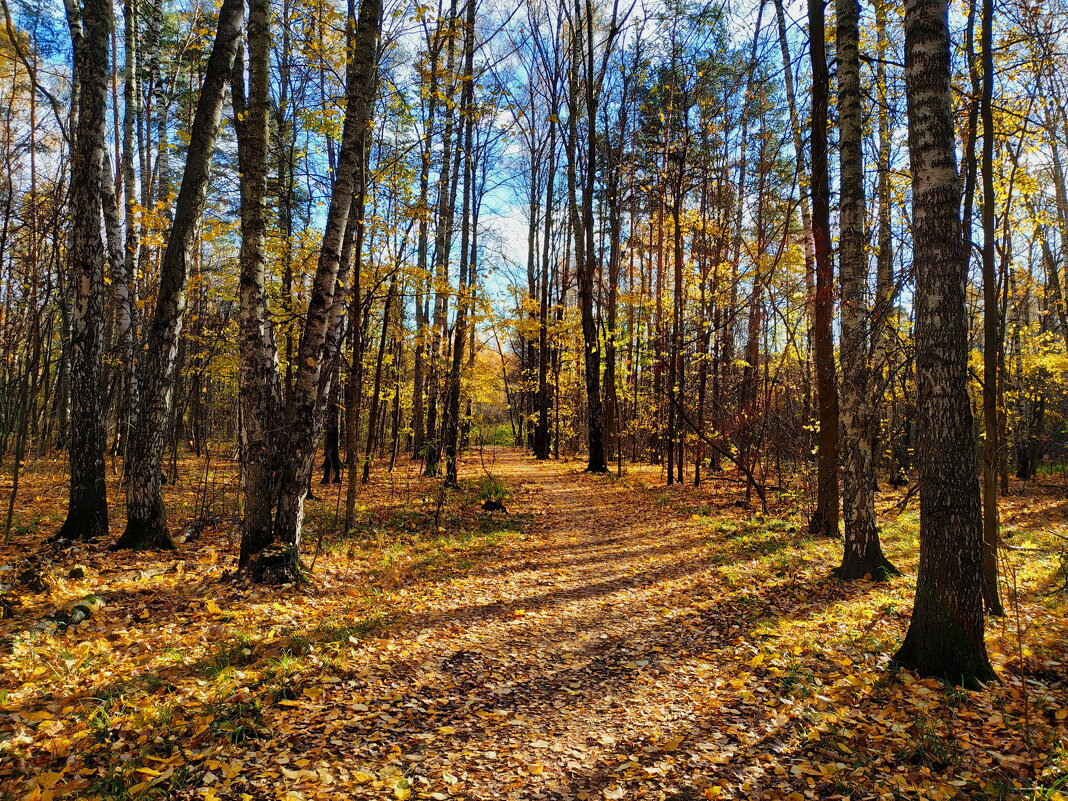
(586,261)
(991,332)
(544,397)
(87,511)
(824,520)
(332,433)
(423,280)
(442,247)
(945,636)
(146,515)
(452,411)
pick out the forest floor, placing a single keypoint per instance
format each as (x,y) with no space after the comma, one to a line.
(608,638)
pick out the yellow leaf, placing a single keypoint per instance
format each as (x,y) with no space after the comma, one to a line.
(48,780)
(673,743)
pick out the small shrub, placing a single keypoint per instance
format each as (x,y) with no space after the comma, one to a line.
(491,489)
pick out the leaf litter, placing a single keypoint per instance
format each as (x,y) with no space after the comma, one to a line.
(610,639)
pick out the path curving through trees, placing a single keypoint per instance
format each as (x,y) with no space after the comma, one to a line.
(619,647)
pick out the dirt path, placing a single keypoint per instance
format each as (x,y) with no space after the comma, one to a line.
(585,660)
(631,642)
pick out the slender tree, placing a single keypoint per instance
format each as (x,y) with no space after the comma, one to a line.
(279,560)
(261,389)
(467,125)
(146,515)
(87,511)
(991,326)
(863,554)
(825,517)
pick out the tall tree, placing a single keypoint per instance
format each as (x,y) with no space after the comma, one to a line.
(549,61)
(588,74)
(87,511)
(278,560)
(863,554)
(434,41)
(991,327)
(126,294)
(261,388)
(146,515)
(446,202)
(467,125)
(945,635)
(825,517)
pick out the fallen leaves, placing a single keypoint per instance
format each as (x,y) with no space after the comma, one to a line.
(620,649)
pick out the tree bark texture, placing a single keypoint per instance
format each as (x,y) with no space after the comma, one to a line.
(945,635)
(305,406)
(87,512)
(146,515)
(863,554)
(824,520)
(261,392)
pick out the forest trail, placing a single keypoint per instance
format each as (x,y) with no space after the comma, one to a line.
(615,649)
(590,657)
(607,639)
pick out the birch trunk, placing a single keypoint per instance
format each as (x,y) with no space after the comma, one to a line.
(146,515)
(863,554)
(945,635)
(87,512)
(261,392)
(280,562)
(127,298)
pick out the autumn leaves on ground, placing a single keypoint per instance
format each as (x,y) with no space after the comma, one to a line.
(606,638)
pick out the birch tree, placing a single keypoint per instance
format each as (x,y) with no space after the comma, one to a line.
(87,511)
(146,515)
(863,554)
(945,635)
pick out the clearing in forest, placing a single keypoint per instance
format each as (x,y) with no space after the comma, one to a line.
(606,638)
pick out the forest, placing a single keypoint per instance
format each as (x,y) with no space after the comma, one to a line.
(512,399)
